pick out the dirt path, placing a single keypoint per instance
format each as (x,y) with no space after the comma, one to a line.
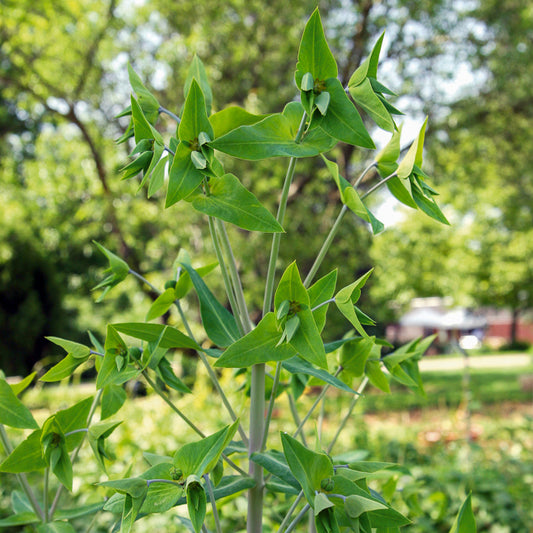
(439,363)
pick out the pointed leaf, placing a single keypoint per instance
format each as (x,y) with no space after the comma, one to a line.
(183,176)
(231,118)
(161,304)
(77,350)
(26,457)
(258,346)
(314,55)
(342,120)
(169,336)
(414,155)
(63,369)
(275,463)
(369,67)
(296,365)
(13,412)
(194,117)
(197,72)
(113,398)
(365,97)
(322,291)
(229,200)
(218,322)
(465,521)
(168,377)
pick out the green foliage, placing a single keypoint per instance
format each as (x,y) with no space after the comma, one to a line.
(290,335)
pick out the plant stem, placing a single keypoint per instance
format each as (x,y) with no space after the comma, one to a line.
(298,517)
(344,421)
(211,495)
(227,282)
(169,113)
(257,413)
(22,479)
(315,404)
(212,375)
(280,217)
(45,492)
(235,278)
(159,392)
(271,402)
(290,512)
(364,173)
(333,231)
(75,453)
(145,281)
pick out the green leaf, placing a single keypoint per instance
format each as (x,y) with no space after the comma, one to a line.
(322,291)
(148,101)
(291,288)
(63,369)
(414,155)
(428,205)
(296,365)
(356,505)
(13,412)
(26,457)
(231,118)
(347,297)
(274,462)
(118,270)
(465,521)
(271,137)
(376,376)
(79,511)
(161,304)
(308,467)
(258,346)
(355,353)
(389,154)
(113,398)
(365,97)
(307,341)
(73,418)
(20,519)
(197,72)
(169,336)
(97,435)
(158,176)
(109,373)
(314,55)
(326,522)
(169,378)
(196,502)
(229,200)
(55,452)
(183,176)
(200,457)
(56,527)
(342,120)
(350,197)
(79,351)
(184,283)
(141,126)
(22,385)
(194,117)
(369,67)
(321,503)
(218,322)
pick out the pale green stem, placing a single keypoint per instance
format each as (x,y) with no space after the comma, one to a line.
(22,479)
(75,453)
(169,402)
(344,421)
(159,392)
(257,413)
(45,492)
(298,517)
(333,231)
(227,282)
(145,281)
(378,185)
(276,238)
(169,113)
(315,404)
(271,402)
(364,173)
(235,278)
(296,417)
(290,512)
(211,495)
(212,374)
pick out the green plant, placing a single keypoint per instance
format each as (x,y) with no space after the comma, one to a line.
(334,490)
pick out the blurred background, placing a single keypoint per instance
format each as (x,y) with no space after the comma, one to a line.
(466,64)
